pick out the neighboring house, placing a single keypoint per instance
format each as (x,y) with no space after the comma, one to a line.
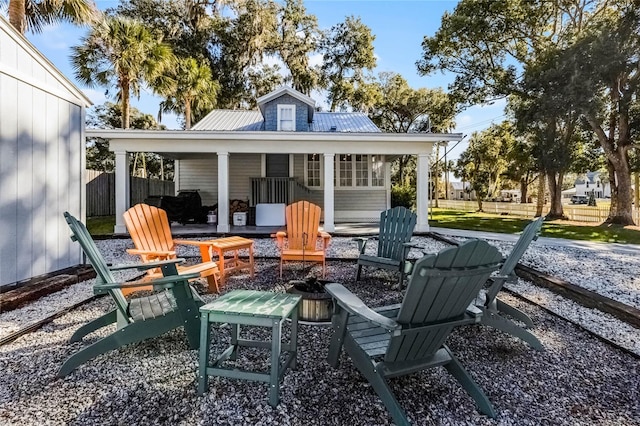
(510,195)
(592,182)
(42,161)
(281,153)
(461,191)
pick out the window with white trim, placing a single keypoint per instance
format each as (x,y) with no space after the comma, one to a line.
(345,169)
(313,170)
(287,118)
(377,170)
(362,170)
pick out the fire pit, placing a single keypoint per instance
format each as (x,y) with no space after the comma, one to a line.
(316,304)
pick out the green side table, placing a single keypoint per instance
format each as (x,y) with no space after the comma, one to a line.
(256,308)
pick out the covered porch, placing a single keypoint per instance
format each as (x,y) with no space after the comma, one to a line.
(219,150)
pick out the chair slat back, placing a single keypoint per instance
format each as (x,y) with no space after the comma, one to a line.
(149,228)
(529,234)
(303,221)
(440,289)
(396,228)
(82,236)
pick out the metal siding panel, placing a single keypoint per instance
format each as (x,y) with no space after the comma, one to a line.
(76,145)
(64,183)
(50,169)
(8,177)
(24,171)
(201,174)
(39,183)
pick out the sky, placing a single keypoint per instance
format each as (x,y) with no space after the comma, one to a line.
(398,25)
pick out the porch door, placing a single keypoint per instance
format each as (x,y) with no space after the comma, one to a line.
(278,189)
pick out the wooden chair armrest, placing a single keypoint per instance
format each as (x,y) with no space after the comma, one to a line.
(326,238)
(352,304)
(152,253)
(193,243)
(280,236)
(145,266)
(158,284)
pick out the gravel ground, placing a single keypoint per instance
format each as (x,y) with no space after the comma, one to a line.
(578,379)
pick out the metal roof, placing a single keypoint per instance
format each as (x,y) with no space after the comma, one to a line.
(344,122)
(247,121)
(226,119)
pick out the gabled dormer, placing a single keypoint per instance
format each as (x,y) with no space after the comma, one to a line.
(286,109)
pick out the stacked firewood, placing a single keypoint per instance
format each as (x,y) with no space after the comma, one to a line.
(236,206)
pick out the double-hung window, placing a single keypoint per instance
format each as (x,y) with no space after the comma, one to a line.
(287,118)
(313,170)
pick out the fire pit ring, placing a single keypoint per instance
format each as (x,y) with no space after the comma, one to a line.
(316,305)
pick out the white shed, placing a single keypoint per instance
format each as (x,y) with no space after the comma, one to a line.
(42,159)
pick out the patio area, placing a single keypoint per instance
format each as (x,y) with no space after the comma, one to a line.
(577,379)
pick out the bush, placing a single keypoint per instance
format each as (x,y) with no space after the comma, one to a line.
(403,195)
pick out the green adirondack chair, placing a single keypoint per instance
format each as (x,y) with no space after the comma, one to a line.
(175,305)
(492,307)
(396,228)
(402,339)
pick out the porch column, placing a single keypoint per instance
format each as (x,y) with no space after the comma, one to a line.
(422,193)
(223,192)
(329,215)
(121,190)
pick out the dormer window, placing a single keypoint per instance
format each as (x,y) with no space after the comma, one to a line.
(287,118)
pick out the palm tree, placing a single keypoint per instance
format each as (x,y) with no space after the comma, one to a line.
(121,52)
(191,90)
(35,14)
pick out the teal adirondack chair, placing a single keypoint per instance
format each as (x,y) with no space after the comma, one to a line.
(492,306)
(137,319)
(402,339)
(396,228)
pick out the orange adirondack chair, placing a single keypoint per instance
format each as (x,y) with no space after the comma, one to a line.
(303,241)
(151,234)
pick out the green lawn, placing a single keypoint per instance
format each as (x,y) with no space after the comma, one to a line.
(101,225)
(458,219)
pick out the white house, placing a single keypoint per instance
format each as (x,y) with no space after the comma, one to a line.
(282,152)
(461,191)
(41,161)
(592,182)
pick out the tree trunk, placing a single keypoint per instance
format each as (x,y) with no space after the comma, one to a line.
(621,211)
(17,18)
(523,190)
(540,202)
(636,193)
(555,195)
(187,114)
(125,104)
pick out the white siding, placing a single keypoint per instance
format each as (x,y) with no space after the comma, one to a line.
(242,167)
(201,174)
(41,159)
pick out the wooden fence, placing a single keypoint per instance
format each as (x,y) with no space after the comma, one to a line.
(101,198)
(578,213)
